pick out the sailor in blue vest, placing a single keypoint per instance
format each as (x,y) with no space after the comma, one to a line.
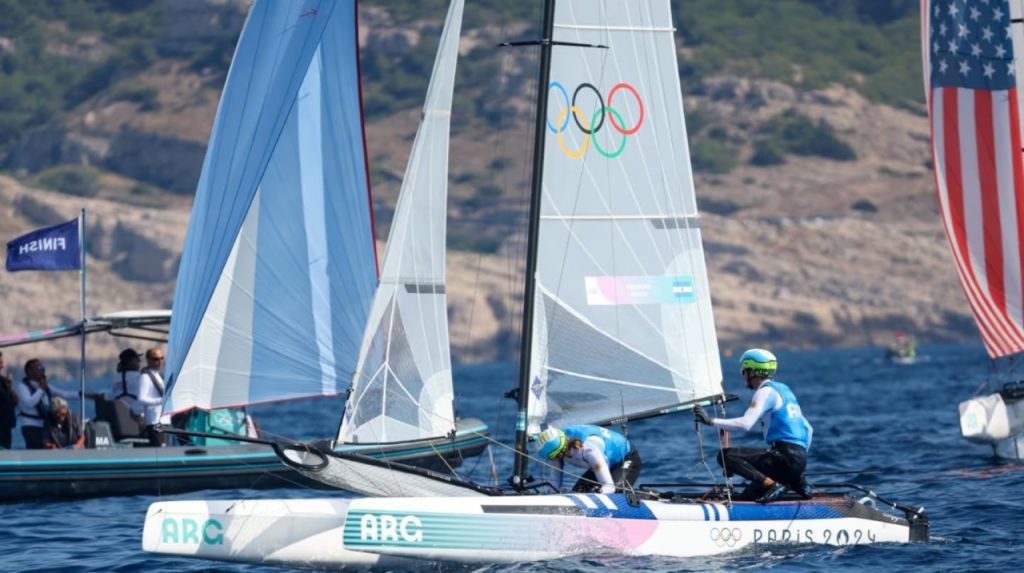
(608,456)
(786,430)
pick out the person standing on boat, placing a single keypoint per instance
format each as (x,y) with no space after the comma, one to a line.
(128,365)
(62,428)
(608,456)
(8,407)
(786,430)
(34,396)
(149,395)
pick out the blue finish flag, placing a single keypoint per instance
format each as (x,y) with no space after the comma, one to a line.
(50,249)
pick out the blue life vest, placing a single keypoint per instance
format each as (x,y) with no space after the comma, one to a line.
(616,446)
(787,424)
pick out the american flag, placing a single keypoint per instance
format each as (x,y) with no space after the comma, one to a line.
(971,82)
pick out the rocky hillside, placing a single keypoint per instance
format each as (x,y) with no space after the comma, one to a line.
(803,250)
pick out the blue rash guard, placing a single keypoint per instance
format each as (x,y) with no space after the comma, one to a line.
(780,414)
(602,449)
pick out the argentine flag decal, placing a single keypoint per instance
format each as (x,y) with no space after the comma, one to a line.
(682,289)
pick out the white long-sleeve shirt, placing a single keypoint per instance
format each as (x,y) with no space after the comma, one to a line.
(32,398)
(765,401)
(149,395)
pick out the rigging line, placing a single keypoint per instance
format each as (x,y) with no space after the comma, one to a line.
(690,241)
(524,215)
(628,180)
(619,343)
(502,81)
(554,328)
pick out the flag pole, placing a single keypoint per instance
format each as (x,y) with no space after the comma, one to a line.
(81,363)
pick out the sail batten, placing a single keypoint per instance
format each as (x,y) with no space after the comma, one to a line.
(623,322)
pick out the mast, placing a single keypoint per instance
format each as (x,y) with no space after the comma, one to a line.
(519,477)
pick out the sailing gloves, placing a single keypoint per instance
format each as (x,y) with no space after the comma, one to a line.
(701,416)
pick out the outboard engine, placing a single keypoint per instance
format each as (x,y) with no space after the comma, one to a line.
(98,435)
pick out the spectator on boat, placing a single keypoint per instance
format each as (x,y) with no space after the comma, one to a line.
(607,455)
(128,365)
(8,407)
(35,395)
(787,432)
(149,395)
(62,428)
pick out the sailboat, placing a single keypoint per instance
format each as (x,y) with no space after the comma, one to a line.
(618,326)
(975,108)
(279,270)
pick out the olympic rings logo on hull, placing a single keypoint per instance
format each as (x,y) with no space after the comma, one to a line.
(590,127)
(726,537)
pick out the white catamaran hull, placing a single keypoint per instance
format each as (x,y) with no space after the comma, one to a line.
(377,531)
(995,421)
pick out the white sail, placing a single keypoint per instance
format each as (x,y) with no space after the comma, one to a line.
(623,321)
(278,269)
(402,388)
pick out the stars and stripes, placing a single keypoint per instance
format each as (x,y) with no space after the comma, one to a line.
(971,81)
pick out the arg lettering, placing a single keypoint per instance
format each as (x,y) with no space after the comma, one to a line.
(390,528)
(189,531)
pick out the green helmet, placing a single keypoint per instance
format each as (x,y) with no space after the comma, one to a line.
(759,361)
(552,443)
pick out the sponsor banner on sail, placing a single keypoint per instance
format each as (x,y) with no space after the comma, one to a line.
(639,290)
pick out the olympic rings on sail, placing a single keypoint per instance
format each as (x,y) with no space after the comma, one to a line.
(592,125)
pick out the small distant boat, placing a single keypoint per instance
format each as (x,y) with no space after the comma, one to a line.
(114,464)
(975,108)
(902,351)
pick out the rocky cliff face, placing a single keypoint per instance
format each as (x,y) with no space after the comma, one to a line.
(812,252)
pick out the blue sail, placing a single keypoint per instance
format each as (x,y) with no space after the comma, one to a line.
(279,265)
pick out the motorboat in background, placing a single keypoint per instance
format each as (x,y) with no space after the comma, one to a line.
(117,460)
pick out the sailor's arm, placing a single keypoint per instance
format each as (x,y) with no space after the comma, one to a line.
(761,401)
(560,470)
(66,394)
(26,397)
(599,463)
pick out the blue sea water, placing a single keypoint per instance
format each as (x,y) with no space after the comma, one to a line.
(894,427)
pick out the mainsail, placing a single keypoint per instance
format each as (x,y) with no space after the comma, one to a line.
(402,388)
(975,108)
(622,322)
(279,266)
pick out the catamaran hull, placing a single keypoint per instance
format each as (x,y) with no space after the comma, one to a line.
(997,422)
(53,474)
(361,532)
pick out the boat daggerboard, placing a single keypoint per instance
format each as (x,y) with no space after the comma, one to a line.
(402,389)
(975,109)
(279,268)
(623,321)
